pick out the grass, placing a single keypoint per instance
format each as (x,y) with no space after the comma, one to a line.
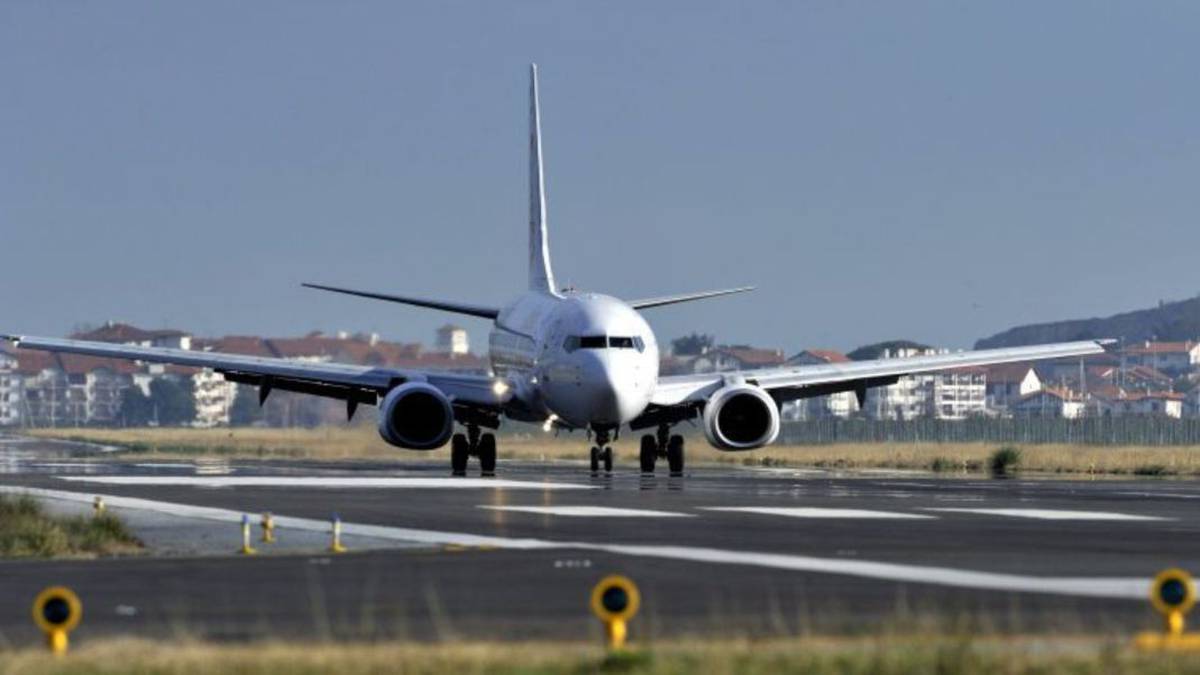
(361,442)
(27,531)
(885,655)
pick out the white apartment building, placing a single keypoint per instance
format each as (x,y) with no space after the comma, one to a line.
(1009,383)
(949,395)
(957,394)
(11,391)
(213,396)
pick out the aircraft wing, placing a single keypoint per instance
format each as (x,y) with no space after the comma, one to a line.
(354,384)
(794,382)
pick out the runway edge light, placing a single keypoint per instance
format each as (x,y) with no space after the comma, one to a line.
(615,600)
(1173,594)
(57,611)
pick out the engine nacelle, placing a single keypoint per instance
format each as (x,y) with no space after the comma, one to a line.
(416,416)
(741,417)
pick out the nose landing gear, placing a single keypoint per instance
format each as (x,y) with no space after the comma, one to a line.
(473,444)
(665,445)
(602,452)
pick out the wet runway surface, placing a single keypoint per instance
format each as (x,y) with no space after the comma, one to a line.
(717,551)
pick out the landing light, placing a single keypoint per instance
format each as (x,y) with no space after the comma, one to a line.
(549,424)
(499,388)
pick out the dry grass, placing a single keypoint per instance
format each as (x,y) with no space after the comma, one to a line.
(26,531)
(886,655)
(363,443)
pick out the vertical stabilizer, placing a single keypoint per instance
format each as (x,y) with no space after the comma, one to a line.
(541,276)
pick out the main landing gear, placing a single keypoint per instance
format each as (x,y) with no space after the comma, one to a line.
(602,452)
(664,444)
(473,444)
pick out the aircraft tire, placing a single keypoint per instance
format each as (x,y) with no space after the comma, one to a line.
(595,457)
(460,451)
(487,455)
(649,453)
(608,459)
(675,455)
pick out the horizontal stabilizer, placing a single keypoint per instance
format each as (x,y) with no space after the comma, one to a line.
(457,308)
(646,303)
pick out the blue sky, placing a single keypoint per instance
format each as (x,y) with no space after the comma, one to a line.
(937,171)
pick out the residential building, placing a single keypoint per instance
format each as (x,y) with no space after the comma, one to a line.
(957,394)
(1050,402)
(1009,383)
(737,357)
(11,390)
(452,339)
(1173,358)
(842,404)
(1114,402)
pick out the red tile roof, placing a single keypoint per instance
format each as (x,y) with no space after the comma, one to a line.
(1161,348)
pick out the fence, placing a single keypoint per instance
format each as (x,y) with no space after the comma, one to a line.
(1127,430)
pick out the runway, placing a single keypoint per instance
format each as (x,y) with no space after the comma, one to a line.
(727,551)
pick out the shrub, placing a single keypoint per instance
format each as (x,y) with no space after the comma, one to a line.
(1005,460)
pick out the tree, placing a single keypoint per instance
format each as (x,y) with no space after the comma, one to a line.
(173,402)
(136,408)
(692,345)
(245,410)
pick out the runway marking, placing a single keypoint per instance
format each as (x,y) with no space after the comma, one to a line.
(1169,495)
(814,512)
(447,482)
(588,511)
(1129,588)
(1050,514)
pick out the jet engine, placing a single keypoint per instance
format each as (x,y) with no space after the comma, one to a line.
(741,417)
(416,416)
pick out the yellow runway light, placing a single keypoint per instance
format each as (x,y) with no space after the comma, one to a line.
(615,600)
(57,611)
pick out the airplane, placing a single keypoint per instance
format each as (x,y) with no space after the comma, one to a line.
(567,359)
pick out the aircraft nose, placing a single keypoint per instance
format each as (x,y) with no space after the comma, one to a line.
(611,399)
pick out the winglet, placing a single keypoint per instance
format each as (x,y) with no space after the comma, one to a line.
(541,276)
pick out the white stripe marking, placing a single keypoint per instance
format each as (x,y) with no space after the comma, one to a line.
(1050,514)
(323,482)
(589,511)
(813,512)
(1131,588)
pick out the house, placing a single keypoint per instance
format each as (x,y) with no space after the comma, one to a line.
(125,334)
(1173,358)
(842,404)
(1049,402)
(737,357)
(1115,401)
(1009,383)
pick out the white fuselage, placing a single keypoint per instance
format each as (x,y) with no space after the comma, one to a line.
(587,359)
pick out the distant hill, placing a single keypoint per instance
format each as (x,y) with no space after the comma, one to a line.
(868,352)
(1170,322)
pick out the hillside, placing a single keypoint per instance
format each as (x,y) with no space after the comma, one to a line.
(1170,321)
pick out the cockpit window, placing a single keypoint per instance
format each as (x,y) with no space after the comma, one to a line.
(573,342)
